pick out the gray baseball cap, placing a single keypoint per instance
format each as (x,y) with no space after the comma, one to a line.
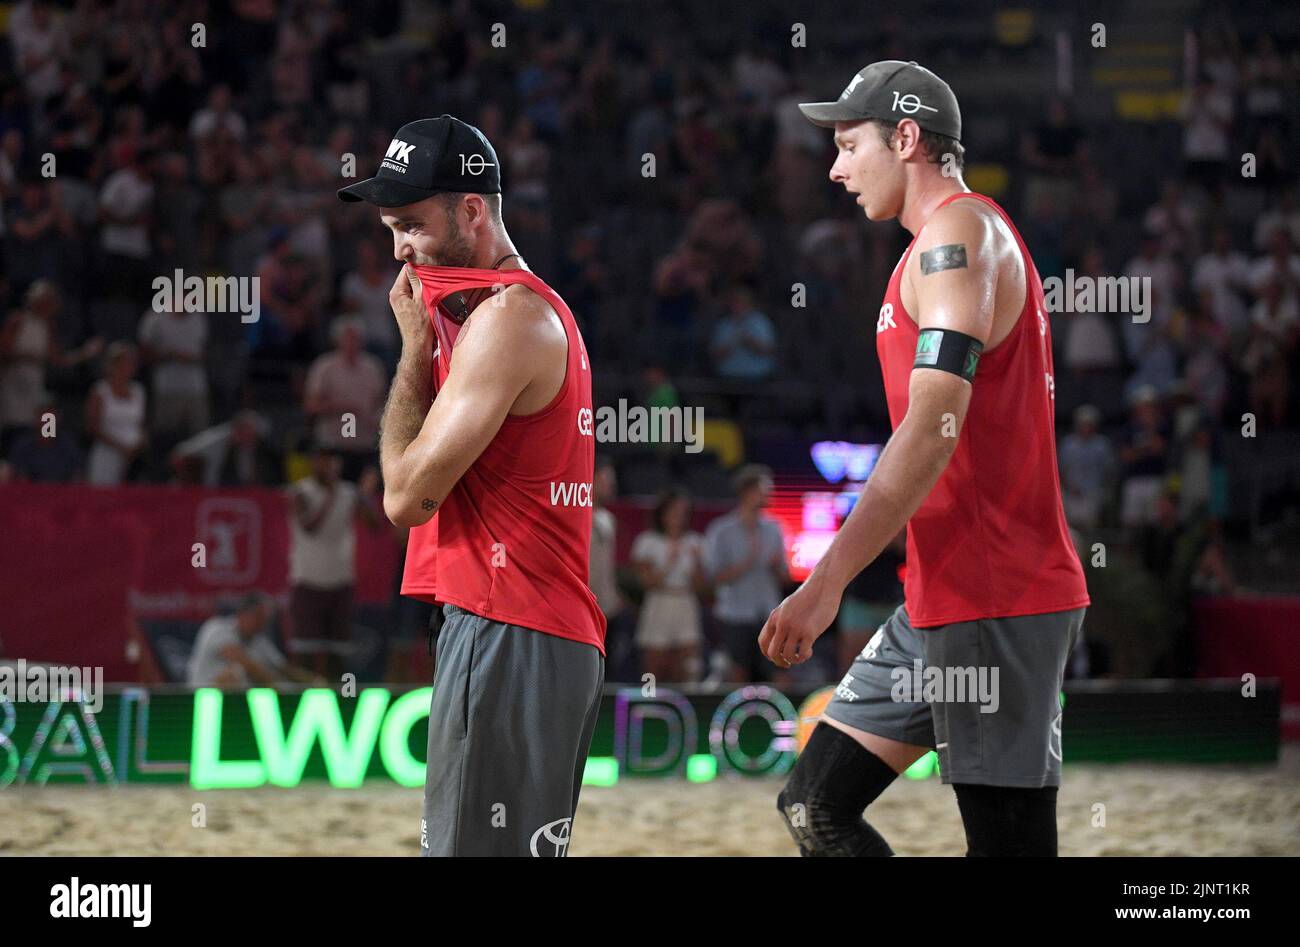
(890,91)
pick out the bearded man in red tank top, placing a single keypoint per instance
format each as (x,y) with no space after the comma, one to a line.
(973,662)
(487,453)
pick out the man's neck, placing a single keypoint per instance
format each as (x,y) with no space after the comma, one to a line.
(499,247)
(927,193)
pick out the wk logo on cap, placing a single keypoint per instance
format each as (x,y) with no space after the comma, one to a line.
(401,151)
(909,104)
(852,86)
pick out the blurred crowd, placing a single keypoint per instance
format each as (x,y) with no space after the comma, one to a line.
(663,182)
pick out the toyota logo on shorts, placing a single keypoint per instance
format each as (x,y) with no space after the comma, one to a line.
(556,835)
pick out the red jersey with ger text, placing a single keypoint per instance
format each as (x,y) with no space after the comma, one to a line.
(990,540)
(512,541)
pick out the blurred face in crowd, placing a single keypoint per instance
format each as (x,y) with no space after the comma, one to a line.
(326,467)
(253,619)
(350,342)
(606,486)
(440,231)
(757,495)
(870,169)
(677,516)
(121,368)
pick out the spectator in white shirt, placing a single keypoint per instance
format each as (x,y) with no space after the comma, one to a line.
(218,117)
(1224,272)
(322,558)
(669,561)
(174,343)
(115,413)
(236,650)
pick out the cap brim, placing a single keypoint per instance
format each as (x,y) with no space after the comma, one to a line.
(383,192)
(826,114)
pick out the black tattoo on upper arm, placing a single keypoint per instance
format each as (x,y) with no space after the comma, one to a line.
(950,256)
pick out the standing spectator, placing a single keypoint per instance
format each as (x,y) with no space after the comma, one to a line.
(746,563)
(218,117)
(115,415)
(174,342)
(1087,464)
(37,228)
(40,44)
(1224,272)
(345,394)
(365,296)
(669,560)
(1207,122)
(29,342)
(42,459)
(1275,326)
(126,206)
(1146,457)
(744,341)
(322,566)
(603,575)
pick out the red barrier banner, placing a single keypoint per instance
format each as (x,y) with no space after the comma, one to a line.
(79,565)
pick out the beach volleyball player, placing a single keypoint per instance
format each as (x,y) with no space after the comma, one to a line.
(994,592)
(487,453)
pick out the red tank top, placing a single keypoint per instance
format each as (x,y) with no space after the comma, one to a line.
(990,540)
(512,541)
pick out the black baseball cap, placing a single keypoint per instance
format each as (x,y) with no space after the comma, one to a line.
(426,157)
(890,91)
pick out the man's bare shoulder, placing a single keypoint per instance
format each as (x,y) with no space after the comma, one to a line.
(516,331)
(963,234)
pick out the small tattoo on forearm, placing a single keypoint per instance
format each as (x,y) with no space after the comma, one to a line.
(950,256)
(428,504)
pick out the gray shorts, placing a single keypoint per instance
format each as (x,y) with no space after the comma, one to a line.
(510,723)
(985,694)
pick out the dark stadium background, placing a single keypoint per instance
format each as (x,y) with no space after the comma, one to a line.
(1086,146)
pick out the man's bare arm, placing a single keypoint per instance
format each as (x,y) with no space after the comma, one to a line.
(955,281)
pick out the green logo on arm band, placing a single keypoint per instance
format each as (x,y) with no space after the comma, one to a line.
(972,360)
(927,347)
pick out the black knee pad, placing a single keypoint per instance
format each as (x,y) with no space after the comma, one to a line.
(833,781)
(1002,821)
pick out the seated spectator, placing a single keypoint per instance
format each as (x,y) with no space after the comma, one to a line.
(235,651)
(1145,455)
(115,413)
(55,458)
(250,460)
(345,395)
(1087,464)
(669,561)
(744,341)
